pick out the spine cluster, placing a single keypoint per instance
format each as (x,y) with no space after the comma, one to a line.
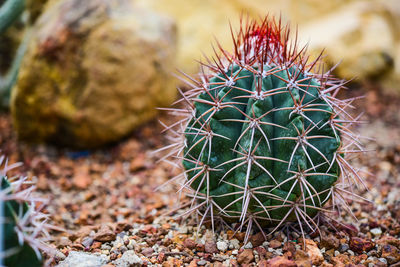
(262,138)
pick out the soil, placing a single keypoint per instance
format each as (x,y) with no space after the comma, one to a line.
(106,200)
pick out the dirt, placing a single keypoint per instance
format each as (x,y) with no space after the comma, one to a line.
(106,200)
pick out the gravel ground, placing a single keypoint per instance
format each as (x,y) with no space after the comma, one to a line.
(112,216)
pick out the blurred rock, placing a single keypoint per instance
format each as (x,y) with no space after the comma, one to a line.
(199,21)
(93,72)
(361,34)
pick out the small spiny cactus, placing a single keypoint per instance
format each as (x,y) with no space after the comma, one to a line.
(23,227)
(264,141)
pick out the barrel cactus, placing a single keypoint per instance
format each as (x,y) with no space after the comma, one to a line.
(263,140)
(23,227)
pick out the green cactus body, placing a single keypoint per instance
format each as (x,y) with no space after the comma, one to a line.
(22,225)
(263,138)
(261,144)
(9,12)
(19,255)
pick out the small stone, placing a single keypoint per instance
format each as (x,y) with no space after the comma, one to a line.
(64,242)
(105,234)
(383,260)
(193,263)
(376,232)
(329,241)
(147,252)
(359,245)
(189,243)
(389,240)
(280,261)
(391,254)
(129,258)
(263,263)
(302,259)
(257,239)
(201,262)
(113,256)
(96,245)
(248,245)
(235,252)
(234,244)
(337,253)
(105,247)
(275,244)
(87,241)
(314,252)
(246,256)
(222,246)
(211,247)
(262,252)
(183,230)
(343,247)
(83,259)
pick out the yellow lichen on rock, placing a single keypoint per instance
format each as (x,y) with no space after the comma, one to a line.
(93,71)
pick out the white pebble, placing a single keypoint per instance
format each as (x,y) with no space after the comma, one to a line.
(248,245)
(234,244)
(376,231)
(222,246)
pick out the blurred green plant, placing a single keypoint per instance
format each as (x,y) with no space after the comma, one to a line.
(23,228)
(10,12)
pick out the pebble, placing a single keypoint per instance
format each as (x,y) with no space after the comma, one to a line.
(376,232)
(189,243)
(201,262)
(105,247)
(337,253)
(280,261)
(359,245)
(64,242)
(87,241)
(222,246)
(147,252)
(183,230)
(383,260)
(129,258)
(265,244)
(211,247)
(83,259)
(105,234)
(275,243)
(343,248)
(248,245)
(246,256)
(234,244)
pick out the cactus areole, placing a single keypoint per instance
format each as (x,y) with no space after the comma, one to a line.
(264,137)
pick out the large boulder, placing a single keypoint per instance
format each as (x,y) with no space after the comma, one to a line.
(361,34)
(199,21)
(94,70)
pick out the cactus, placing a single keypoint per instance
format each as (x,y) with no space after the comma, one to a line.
(22,225)
(10,11)
(263,140)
